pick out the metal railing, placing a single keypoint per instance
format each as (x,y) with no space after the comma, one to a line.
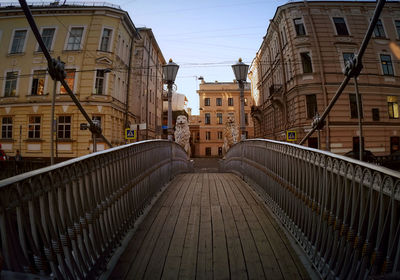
(66,220)
(343,212)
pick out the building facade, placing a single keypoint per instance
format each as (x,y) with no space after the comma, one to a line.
(300,66)
(96,44)
(218,101)
(148,84)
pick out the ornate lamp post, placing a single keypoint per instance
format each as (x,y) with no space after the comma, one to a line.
(240,70)
(169,71)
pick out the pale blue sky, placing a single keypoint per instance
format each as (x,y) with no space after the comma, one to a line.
(204,37)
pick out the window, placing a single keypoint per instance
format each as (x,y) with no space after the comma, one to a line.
(313,142)
(64,127)
(393,107)
(18,41)
(306,62)
(219,133)
(245,102)
(387,66)
(397,24)
(347,57)
(99,86)
(11,84)
(34,127)
(208,151)
(394,144)
(246,119)
(379,32)
(6,128)
(230,101)
(220,151)
(75,39)
(299,26)
(219,101)
(207,101)
(353,106)
(311,101)
(207,118)
(47,37)
(105,40)
(375,114)
(340,24)
(219,118)
(38,82)
(208,135)
(70,79)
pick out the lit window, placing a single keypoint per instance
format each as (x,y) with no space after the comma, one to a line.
(34,127)
(38,82)
(75,39)
(99,86)
(70,79)
(6,128)
(105,40)
(64,127)
(47,37)
(393,107)
(340,24)
(299,26)
(306,62)
(379,31)
(18,41)
(11,84)
(387,66)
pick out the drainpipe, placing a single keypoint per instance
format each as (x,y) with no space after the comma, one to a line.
(322,73)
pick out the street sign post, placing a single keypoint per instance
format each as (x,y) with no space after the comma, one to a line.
(291,135)
(130,134)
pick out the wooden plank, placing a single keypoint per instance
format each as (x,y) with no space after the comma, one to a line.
(127,258)
(242,191)
(220,251)
(156,264)
(225,184)
(213,191)
(175,251)
(189,256)
(204,254)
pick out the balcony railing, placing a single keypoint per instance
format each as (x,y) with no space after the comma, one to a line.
(66,220)
(343,212)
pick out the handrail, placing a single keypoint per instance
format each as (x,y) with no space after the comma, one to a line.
(66,220)
(343,212)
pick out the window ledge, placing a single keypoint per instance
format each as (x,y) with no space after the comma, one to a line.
(7,140)
(74,51)
(69,140)
(16,54)
(34,140)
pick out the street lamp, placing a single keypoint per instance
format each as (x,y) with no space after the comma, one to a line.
(240,70)
(169,71)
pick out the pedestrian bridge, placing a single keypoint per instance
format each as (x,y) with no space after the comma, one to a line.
(139,211)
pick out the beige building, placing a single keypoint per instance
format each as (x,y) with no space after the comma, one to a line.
(96,44)
(218,101)
(299,68)
(148,84)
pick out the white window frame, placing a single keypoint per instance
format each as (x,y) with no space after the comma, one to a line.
(12,40)
(105,85)
(5,80)
(345,21)
(54,37)
(29,92)
(304,26)
(69,33)
(110,46)
(392,61)
(75,80)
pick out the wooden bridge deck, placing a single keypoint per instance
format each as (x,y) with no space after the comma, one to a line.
(209,226)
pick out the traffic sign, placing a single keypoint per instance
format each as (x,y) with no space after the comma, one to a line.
(291,135)
(130,134)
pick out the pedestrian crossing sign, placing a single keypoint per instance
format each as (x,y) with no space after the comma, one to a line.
(291,135)
(130,134)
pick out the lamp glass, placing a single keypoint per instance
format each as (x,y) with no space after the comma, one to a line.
(240,70)
(169,71)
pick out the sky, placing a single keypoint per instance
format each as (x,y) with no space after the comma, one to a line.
(203,37)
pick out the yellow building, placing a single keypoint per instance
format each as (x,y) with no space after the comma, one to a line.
(96,44)
(218,101)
